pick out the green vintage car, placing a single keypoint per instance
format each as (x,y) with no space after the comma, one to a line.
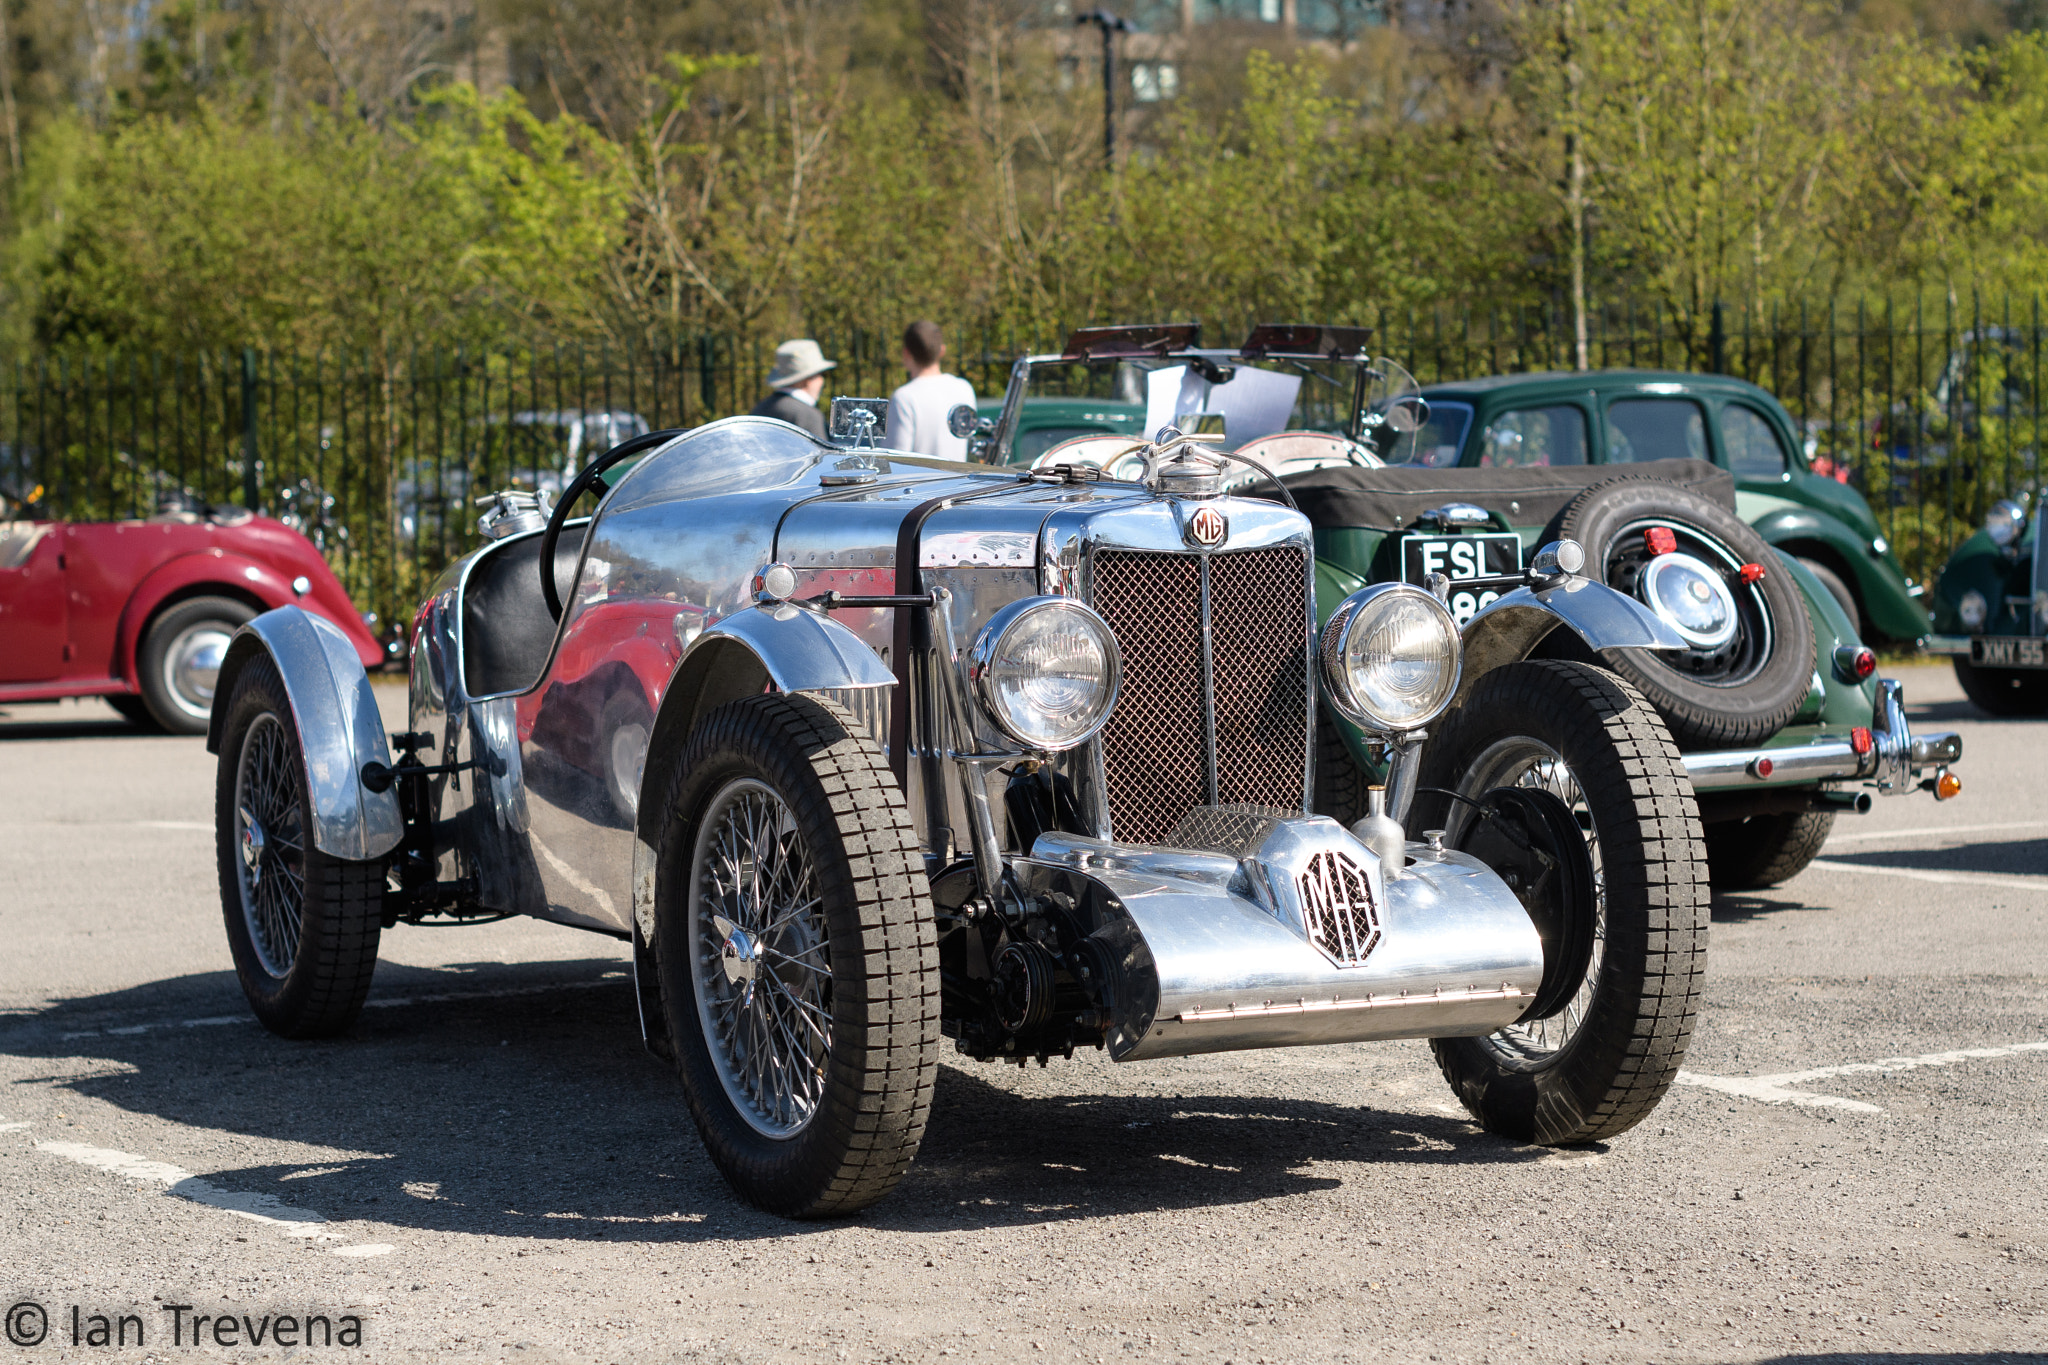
(1775,704)
(1991,612)
(1051,420)
(1610,417)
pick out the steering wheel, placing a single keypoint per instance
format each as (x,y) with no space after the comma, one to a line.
(578,486)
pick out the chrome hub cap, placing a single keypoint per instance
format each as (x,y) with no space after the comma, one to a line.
(758,946)
(192,665)
(1528,762)
(270,837)
(1691,598)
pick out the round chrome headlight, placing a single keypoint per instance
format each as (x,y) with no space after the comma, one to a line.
(1391,657)
(1046,670)
(2004,522)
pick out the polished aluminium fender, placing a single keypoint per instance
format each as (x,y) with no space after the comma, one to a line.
(1507,629)
(792,649)
(339,727)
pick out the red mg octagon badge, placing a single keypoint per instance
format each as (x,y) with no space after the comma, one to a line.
(1207,527)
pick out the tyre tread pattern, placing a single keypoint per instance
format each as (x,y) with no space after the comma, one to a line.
(342,917)
(1628,1052)
(883,1069)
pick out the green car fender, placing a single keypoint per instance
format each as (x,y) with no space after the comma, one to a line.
(1876,577)
(1979,565)
(1334,583)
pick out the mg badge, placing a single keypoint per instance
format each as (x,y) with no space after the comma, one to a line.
(1207,527)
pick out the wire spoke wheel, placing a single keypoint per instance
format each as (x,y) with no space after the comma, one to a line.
(1610,1043)
(303,924)
(270,834)
(1525,762)
(793,954)
(760,946)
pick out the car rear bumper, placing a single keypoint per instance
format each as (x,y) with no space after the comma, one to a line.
(1886,754)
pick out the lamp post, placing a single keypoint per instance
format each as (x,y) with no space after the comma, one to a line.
(1110,25)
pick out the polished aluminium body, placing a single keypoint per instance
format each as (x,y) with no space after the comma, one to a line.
(1179,857)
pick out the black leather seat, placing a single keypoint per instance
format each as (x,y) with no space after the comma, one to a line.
(506,629)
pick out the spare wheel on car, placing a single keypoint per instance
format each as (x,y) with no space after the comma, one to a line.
(1714,580)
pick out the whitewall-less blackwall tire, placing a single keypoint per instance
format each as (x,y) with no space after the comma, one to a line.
(1601,1063)
(303,926)
(796,955)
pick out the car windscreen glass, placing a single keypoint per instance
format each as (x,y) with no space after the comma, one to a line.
(1436,445)
(1534,436)
(1246,400)
(1655,429)
(1754,451)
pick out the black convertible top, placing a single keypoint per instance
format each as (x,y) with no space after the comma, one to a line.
(1390,499)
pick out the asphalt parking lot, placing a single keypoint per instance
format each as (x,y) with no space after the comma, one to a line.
(491,1166)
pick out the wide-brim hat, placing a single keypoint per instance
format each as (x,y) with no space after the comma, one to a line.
(796,361)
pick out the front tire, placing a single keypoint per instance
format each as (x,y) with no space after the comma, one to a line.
(179,660)
(1601,1063)
(303,926)
(1746,855)
(2004,691)
(798,963)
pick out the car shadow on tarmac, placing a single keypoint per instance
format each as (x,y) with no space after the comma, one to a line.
(1912,1358)
(2009,856)
(1742,907)
(520,1103)
(49,723)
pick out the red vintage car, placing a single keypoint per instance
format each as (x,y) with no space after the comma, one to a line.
(140,612)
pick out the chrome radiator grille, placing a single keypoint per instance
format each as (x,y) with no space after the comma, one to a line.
(1155,750)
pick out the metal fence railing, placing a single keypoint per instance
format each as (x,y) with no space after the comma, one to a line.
(1930,409)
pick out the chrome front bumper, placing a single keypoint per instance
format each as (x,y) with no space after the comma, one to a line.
(1886,753)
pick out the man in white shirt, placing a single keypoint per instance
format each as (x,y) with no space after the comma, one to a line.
(917,411)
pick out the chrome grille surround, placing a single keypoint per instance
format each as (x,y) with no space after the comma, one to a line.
(1217,694)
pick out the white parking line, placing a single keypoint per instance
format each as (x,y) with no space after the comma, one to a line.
(379,1003)
(260,1208)
(1930,831)
(1945,878)
(1777,1089)
(14,1127)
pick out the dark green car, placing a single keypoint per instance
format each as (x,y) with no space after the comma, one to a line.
(1045,422)
(1991,613)
(1629,416)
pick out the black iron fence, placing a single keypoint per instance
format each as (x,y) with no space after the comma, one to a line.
(1929,408)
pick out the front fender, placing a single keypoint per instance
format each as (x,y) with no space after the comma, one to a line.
(1505,630)
(1876,578)
(786,648)
(339,727)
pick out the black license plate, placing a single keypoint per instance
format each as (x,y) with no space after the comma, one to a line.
(2009,651)
(1487,555)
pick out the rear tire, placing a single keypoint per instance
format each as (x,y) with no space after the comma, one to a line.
(1743,855)
(179,660)
(796,955)
(1600,1065)
(303,926)
(2004,691)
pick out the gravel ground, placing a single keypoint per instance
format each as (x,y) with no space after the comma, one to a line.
(490,1166)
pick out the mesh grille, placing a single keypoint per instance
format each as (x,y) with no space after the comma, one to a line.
(1260,603)
(1154,749)
(1337,909)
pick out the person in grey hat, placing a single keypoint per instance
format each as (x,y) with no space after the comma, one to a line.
(794,385)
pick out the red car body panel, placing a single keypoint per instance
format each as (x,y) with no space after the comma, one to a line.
(625,645)
(73,613)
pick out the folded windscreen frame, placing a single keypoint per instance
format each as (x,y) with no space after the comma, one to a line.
(1108,343)
(1306,339)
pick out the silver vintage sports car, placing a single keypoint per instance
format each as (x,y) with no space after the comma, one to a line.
(864,751)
